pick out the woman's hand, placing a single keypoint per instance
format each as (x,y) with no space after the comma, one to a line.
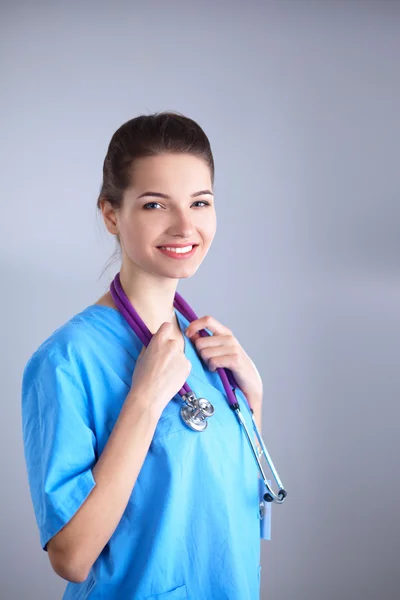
(222,350)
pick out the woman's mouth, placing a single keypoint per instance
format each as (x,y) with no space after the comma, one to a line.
(178,253)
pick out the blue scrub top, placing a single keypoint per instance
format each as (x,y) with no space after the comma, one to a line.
(191,528)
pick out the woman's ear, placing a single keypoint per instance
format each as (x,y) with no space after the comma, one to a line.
(109,216)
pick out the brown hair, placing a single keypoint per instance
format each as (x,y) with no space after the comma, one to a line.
(149,135)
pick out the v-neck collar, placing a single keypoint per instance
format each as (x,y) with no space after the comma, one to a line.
(178,315)
(199,368)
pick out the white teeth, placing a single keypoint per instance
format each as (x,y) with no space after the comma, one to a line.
(178,250)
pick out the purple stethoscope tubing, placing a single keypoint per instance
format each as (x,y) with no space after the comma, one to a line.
(143,333)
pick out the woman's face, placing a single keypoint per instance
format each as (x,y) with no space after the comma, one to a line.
(146,222)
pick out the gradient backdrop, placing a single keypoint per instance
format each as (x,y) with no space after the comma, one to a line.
(300,100)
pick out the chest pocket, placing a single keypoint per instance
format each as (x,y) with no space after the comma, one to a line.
(179,593)
(223,441)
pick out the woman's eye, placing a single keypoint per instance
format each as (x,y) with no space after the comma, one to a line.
(198,202)
(149,204)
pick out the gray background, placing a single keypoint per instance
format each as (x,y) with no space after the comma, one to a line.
(300,100)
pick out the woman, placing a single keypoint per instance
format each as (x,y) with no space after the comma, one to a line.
(129,501)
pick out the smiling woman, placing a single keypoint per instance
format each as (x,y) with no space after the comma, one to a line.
(183,215)
(115,473)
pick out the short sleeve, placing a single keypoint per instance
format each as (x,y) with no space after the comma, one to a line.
(58,437)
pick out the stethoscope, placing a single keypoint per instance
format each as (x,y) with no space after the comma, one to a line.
(195,411)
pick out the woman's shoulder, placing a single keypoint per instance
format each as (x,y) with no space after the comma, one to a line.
(80,336)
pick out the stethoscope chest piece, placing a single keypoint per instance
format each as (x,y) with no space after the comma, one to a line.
(196,411)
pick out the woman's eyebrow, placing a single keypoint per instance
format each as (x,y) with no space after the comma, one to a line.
(160,195)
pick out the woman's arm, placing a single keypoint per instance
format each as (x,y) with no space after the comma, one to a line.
(256,404)
(74,549)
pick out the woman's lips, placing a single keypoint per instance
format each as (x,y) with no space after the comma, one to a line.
(178,255)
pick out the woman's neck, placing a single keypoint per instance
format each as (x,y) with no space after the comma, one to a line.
(152,298)
(153,304)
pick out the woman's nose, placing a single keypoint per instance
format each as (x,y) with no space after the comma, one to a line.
(183,225)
